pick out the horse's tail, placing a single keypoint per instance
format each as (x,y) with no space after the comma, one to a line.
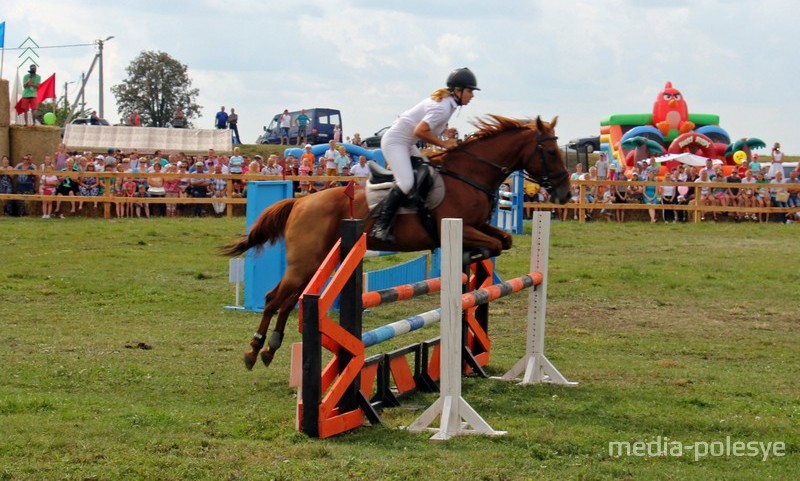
(269,227)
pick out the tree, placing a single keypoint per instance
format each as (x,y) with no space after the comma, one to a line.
(156,85)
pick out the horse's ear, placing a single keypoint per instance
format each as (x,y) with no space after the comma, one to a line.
(539,124)
(554,122)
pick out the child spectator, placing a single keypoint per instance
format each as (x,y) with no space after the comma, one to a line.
(236,166)
(142,206)
(171,191)
(304,171)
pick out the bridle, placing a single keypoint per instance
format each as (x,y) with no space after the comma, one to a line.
(545,180)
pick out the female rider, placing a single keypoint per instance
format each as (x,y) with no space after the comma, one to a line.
(425,121)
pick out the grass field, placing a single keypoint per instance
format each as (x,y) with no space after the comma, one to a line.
(117,361)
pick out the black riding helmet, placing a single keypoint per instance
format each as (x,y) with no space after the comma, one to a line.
(462,77)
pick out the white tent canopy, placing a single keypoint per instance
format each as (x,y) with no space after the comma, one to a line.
(688,159)
(148,139)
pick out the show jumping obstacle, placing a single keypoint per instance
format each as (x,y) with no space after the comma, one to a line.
(352,387)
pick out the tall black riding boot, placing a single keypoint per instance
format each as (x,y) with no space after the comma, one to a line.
(381,229)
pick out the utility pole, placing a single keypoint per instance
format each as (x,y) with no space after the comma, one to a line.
(100,72)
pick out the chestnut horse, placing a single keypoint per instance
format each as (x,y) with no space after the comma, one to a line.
(472,173)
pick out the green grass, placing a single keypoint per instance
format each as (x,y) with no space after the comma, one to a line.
(680,331)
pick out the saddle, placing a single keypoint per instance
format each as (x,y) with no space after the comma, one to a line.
(427,193)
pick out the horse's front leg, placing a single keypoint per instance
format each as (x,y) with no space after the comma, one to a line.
(475,238)
(504,237)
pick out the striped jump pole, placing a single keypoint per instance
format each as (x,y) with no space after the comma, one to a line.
(403,292)
(469,299)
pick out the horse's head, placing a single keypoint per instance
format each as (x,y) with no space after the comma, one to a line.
(544,163)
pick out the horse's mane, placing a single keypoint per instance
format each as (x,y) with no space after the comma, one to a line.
(489,126)
(496,124)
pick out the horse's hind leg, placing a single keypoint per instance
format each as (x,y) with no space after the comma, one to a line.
(257,342)
(276,338)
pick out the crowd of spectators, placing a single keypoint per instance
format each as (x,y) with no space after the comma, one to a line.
(49,176)
(762,194)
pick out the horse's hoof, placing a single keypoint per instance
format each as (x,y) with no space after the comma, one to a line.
(250,360)
(266,357)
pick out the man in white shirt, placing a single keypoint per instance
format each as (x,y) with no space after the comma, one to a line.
(285,121)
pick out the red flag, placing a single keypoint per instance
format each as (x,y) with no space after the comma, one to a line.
(350,192)
(47,89)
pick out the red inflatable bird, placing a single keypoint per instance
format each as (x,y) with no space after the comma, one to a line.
(670,111)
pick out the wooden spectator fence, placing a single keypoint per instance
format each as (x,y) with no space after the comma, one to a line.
(695,207)
(107,199)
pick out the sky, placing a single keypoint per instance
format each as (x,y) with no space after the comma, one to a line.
(578,60)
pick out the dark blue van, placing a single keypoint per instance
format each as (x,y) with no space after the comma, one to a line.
(323,120)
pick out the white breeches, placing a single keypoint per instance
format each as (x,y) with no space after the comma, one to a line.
(398,147)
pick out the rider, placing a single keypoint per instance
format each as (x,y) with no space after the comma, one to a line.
(425,121)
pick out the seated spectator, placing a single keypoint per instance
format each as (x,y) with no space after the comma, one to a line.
(747,195)
(761,197)
(706,196)
(793,201)
(26,184)
(199,189)
(669,196)
(88,186)
(360,169)
(155,188)
(6,182)
(273,167)
(320,184)
(733,194)
(779,196)
(720,194)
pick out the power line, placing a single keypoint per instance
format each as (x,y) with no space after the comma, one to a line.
(53,46)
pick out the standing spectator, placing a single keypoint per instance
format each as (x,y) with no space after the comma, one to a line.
(285,122)
(60,156)
(221,119)
(28,103)
(179,118)
(236,166)
(337,133)
(357,139)
(134,120)
(129,191)
(331,156)
(343,161)
(304,171)
(47,187)
(650,195)
(94,119)
(602,166)
(6,182)
(302,121)
(171,190)
(777,161)
(233,124)
(141,193)
(307,154)
(217,188)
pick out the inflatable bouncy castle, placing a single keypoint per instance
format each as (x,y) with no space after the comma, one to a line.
(669,128)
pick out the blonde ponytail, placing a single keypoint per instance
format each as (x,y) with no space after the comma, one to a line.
(441,93)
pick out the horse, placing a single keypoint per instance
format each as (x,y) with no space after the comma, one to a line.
(472,172)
